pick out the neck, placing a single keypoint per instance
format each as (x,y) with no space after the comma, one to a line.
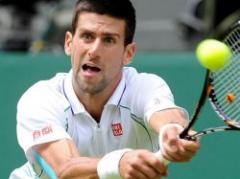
(94,103)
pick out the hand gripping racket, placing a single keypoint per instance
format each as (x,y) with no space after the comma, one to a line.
(222,87)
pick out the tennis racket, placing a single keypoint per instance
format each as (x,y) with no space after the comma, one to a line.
(222,87)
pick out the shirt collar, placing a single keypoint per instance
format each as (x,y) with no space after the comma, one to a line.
(77,106)
(116,97)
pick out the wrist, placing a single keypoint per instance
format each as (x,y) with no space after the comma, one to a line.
(108,166)
(165,128)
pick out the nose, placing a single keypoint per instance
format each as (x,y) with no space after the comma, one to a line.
(94,49)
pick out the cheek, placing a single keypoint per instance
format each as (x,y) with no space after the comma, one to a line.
(118,57)
(77,55)
(76,66)
(116,65)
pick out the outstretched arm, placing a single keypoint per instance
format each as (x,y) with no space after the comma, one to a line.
(169,123)
(68,163)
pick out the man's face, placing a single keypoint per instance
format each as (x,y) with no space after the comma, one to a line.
(97,52)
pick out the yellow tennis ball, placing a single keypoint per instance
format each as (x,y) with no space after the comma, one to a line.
(213,54)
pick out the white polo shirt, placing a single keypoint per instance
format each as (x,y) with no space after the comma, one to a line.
(50,110)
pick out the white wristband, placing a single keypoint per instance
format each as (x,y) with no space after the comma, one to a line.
(163,130)
(108,166)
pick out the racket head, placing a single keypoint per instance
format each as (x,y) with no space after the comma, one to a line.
(224,84)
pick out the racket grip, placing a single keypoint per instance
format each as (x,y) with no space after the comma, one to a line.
(162,159)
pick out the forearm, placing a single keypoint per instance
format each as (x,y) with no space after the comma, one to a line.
(78,168)
(173,115)
(93,168)
(66,161)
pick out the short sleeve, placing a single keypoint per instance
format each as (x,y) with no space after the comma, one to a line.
(41,116)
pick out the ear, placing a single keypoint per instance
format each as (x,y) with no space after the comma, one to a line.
(129,53)
(68,43)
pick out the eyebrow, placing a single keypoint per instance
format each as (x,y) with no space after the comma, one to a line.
(104,33)
(111,34)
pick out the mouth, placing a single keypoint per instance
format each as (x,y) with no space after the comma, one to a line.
(90,69)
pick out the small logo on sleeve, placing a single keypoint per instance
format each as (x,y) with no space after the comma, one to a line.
(42,132)
(117,129)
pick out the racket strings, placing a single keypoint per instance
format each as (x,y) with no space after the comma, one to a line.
(223,81)
(232,42)
(226,82)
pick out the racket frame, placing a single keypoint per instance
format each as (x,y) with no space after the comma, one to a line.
(209,92)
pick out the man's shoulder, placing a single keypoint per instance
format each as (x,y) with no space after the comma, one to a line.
(45,91)
(132,76)
(54,84)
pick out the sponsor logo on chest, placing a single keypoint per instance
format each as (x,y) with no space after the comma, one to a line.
(117,129)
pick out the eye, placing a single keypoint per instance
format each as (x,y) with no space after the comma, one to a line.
(87,37)
(109,40)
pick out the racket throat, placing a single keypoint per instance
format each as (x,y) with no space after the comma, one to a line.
(233,124)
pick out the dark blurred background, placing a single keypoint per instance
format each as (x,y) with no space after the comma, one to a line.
(39,25)
(34,26)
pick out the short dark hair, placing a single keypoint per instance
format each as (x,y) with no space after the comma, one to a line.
(122,9)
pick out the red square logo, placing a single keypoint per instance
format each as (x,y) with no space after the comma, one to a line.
(117,129)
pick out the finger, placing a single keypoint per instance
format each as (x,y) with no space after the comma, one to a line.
(185,155)
(155,165)
(159,166)
(192,146)
(170,152)
(135,174)
(179,153)
(147,169)
(145,164)
(180,156)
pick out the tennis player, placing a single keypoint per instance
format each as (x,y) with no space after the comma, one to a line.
(101,119)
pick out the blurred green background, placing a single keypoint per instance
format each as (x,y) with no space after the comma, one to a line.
(218,154)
